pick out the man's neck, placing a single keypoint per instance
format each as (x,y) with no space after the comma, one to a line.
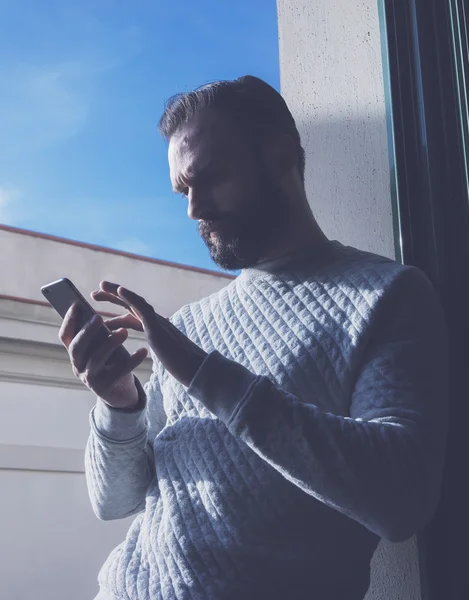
(304,231)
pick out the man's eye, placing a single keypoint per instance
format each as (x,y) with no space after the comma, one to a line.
(184,193)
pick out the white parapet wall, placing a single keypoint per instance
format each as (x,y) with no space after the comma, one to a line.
(52,545)
(332,79)
(28,260)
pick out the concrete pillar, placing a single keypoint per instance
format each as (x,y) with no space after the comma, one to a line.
(332,79)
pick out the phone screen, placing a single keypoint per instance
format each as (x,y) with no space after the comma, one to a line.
(62,294)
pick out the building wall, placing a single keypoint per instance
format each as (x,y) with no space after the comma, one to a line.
(332,79)
(52,545)
(29,261)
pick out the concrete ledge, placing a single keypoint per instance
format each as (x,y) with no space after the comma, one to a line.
(41,458)
(44,364)
(25,378)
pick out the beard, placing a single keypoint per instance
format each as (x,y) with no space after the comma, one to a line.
(240,240)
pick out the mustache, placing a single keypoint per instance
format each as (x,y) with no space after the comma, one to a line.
(208,224)
(211,223)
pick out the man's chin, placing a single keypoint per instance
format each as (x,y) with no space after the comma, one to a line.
(231,256)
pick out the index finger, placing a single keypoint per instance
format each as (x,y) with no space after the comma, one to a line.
(138,305)
(108,286)
(101,296)
(69,326)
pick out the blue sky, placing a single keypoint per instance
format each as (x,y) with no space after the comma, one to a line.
(82,86)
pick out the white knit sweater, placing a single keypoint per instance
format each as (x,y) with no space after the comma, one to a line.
(315,426)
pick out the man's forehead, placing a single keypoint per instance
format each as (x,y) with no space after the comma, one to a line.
(188,143)
(199,141)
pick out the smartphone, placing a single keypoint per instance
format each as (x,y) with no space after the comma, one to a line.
(61,294)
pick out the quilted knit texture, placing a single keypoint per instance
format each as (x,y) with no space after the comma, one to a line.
(315,426)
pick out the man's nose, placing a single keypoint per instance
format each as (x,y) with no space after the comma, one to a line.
(197,205)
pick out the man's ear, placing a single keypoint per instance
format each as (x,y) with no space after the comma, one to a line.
(280,155)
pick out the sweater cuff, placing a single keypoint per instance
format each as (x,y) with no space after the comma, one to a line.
(120,425)
(221,385)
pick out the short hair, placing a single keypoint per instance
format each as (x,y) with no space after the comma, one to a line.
(254,104)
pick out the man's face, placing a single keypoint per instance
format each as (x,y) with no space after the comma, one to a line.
(238,204)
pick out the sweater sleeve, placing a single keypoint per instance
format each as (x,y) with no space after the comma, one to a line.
(382,464)
(119,461)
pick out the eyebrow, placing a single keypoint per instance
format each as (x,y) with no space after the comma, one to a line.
(198,174)
(178,188)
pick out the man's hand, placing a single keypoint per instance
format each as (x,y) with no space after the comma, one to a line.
(178,354)
(90,351)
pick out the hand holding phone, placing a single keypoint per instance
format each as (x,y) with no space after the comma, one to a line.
(96,349)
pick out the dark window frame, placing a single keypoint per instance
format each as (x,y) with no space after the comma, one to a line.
(425,58)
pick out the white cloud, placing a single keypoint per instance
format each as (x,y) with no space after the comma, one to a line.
(44,104)
(40,105)
(9,214)
(134,246)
